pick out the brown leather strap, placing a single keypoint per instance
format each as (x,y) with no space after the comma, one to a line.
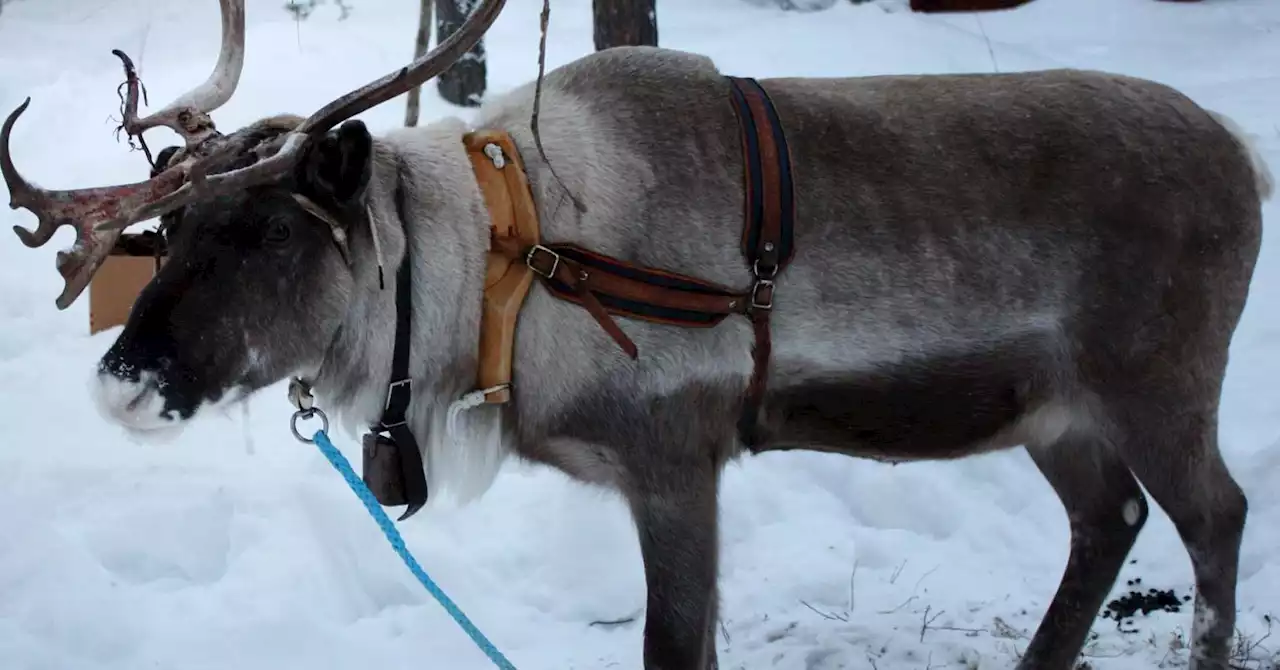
(651,288)
(767,235)
(606,286)
(770,199)
(552,266)
(653,295)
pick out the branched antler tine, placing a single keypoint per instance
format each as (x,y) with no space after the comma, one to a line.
(188,115)
(21,192)
(222,82)
(413,75)
(201,186)
(83,209)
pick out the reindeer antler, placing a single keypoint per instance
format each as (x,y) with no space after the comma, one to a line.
(83,209)
(188,115)
(101,214)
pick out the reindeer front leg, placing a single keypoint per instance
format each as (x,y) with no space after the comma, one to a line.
(675,514)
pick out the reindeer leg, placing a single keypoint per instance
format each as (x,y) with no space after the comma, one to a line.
(1172,446)
(713,629)
(676,521)
(1106,510)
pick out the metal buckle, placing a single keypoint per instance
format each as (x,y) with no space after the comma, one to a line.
(763,280)
(555,261)
(391,389)
(755,294)
(755,270)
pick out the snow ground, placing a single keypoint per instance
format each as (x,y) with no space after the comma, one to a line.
(240,548)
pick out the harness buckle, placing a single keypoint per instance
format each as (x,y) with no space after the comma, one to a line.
(555,261)
(386,405)
(762,289)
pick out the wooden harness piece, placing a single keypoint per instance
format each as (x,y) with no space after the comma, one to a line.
(608,287)
(513,224)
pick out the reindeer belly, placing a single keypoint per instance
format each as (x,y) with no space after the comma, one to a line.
(991,395)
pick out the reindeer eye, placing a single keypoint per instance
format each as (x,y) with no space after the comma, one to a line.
(277,232)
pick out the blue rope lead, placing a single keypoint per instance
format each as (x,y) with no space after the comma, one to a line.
(397,542)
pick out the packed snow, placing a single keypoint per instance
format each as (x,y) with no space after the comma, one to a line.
(238,547)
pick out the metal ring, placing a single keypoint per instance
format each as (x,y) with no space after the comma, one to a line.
(307,414)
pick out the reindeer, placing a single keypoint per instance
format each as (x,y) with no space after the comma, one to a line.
(1052,260)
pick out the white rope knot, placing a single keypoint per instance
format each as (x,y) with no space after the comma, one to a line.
(467,401)
(494,152)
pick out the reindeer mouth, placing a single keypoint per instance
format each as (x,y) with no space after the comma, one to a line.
(138,406)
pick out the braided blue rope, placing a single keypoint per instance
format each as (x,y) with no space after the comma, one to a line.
(397,542)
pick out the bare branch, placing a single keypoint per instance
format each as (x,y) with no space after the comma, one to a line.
(897,572)
(616,622)
(537,106)
(926,620)
(826,615)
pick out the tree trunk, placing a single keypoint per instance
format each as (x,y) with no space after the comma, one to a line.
(419,47)
(464,82)
(625,23)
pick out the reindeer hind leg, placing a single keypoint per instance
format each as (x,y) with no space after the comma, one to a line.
(1105,509)
(1173,449)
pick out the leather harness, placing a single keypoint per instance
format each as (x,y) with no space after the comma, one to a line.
(604,286)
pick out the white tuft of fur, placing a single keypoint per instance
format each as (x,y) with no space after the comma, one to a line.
(463,465)
(138,406)
(466,463)
(1248,143)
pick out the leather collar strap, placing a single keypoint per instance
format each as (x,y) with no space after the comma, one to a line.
(412,477)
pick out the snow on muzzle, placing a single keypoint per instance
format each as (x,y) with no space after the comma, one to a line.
(148,396)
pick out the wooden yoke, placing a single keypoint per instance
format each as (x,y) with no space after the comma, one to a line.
(513,222)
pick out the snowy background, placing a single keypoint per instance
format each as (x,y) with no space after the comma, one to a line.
(241,548)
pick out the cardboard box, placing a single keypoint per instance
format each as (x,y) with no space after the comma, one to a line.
(114,288)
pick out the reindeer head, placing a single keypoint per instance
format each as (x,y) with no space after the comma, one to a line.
(256,224)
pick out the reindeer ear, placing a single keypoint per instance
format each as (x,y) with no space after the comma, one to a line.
(337,169)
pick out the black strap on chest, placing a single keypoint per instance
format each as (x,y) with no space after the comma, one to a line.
(412,479)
